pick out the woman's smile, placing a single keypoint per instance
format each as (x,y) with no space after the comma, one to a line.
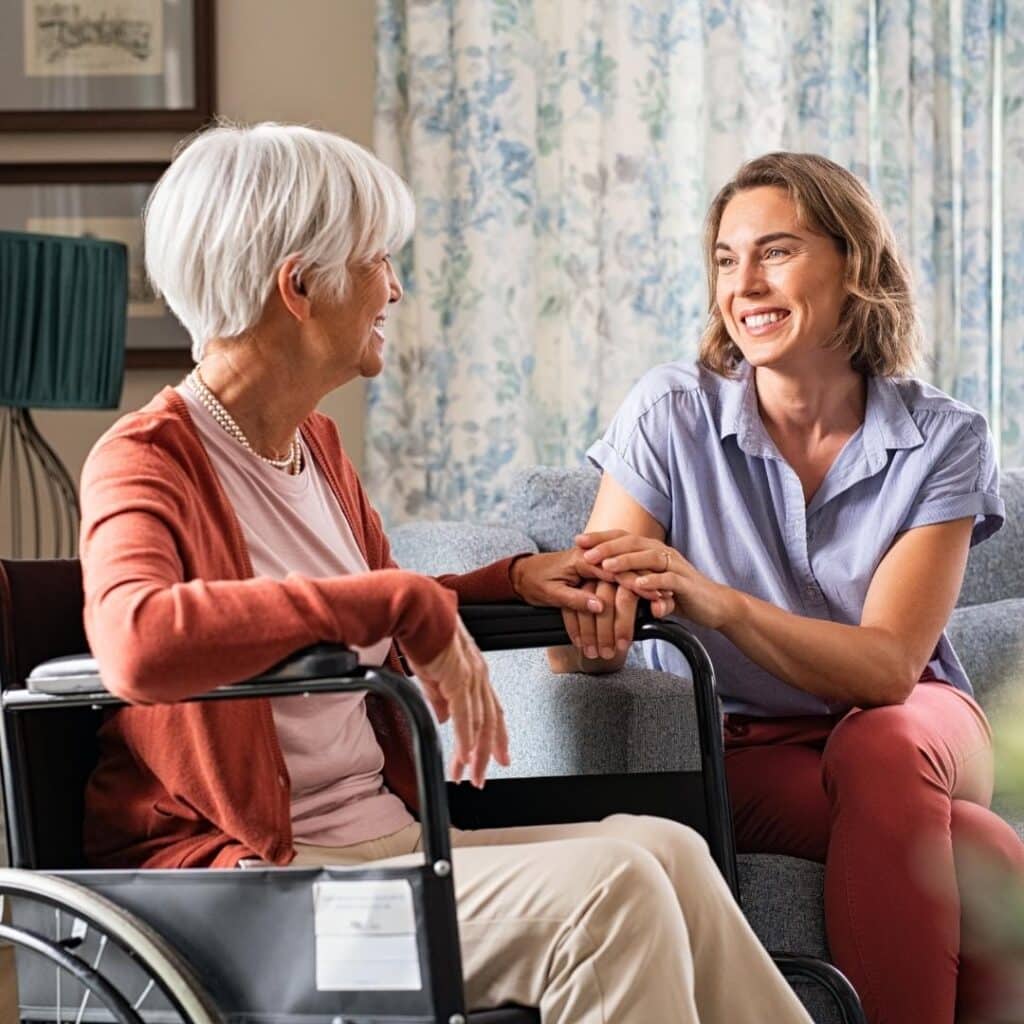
(759,322)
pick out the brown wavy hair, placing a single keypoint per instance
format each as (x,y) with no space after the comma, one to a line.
(878,326)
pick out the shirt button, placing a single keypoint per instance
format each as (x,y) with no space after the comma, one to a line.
(282,781)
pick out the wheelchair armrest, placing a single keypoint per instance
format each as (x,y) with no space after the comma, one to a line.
(78,674)
(73,674)
(320,661)
(75,681)
(498,627)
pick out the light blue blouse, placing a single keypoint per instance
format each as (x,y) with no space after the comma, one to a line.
(690,447)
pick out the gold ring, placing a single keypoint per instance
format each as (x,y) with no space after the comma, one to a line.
(664,554)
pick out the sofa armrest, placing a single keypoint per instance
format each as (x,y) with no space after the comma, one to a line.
(551,503)
(989,638)
(442,547)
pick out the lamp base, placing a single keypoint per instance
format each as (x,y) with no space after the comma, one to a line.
(37,496)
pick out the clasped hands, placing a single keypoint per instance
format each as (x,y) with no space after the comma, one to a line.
(629,567)
(623,568)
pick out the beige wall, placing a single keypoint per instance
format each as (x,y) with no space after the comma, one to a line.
(310,61)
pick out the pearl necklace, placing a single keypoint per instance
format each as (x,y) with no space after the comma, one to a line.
(291,463)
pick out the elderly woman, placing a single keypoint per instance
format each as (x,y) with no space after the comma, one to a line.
(808,508)
(224,527)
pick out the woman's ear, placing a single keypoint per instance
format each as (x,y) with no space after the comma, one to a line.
(292,288)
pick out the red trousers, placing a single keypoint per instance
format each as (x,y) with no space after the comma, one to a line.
(880,796)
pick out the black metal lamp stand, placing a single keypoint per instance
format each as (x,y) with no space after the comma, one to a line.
(42,504)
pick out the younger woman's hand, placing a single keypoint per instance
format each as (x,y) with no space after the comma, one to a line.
(645,565)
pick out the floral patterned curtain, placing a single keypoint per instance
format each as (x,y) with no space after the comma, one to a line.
(562,155)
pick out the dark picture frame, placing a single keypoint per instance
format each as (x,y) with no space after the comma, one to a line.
(105,198)
(142,92)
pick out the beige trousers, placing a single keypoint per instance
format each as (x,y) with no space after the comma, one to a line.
(622,921)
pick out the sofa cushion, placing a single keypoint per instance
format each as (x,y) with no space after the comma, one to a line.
(551,504)
(781,897)
(440,547)
(995,569)
(634,720)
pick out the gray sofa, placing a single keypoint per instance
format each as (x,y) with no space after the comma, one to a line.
(638,720)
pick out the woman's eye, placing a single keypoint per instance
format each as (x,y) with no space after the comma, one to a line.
(773,252)
(725,261)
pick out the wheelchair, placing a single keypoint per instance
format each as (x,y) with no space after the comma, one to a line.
(366,945)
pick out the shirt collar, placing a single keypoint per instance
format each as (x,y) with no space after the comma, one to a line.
(732,397)
(887,420)
(888,424)
(738,413)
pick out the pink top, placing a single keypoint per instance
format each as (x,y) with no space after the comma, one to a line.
(293,524)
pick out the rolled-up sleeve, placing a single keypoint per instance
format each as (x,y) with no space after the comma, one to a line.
(634,449)
(964,482)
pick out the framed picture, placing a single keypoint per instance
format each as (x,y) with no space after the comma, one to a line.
(100,65)
(105,201)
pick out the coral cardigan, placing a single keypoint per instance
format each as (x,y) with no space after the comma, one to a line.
(172,609)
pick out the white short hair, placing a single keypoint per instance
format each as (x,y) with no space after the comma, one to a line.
(238,200)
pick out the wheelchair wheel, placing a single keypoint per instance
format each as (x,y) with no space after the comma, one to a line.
(76,957)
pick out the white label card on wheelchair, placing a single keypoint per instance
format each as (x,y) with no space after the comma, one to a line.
(365,934)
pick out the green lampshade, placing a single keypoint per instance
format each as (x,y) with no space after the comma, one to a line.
(63,303)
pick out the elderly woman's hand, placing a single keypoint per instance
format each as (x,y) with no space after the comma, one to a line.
(555,579)
(601,638)
(457,684)
(643,564)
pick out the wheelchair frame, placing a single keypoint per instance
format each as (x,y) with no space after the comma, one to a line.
(505,802)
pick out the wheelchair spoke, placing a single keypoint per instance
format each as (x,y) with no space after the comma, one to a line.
(145,992)
(81,1007)
(60,974)
(95,966)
